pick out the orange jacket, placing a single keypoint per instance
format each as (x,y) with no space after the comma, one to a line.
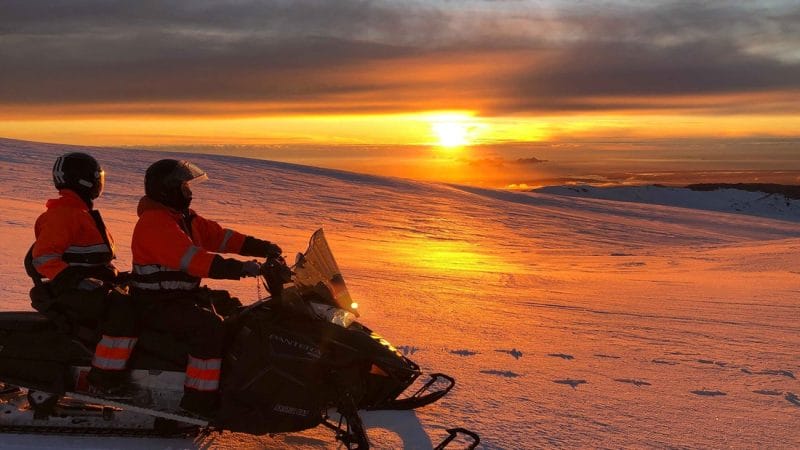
(68,235)
(173,252)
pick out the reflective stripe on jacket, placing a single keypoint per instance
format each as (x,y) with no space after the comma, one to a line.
(67,235)
(172,252)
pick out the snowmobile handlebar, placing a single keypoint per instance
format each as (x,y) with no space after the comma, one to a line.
(276,273)
(122,278)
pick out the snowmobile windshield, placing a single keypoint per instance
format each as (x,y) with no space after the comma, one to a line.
(316,272)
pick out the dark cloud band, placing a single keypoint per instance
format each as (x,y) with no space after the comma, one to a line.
(369,56)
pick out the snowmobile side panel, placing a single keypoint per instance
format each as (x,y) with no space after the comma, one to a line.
(273,378)
(34,354)
(24,321)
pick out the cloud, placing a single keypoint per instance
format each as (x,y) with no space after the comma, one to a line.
(531,160)
(351,56)
(499,163)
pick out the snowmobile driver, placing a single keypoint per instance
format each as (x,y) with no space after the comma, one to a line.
(173,249)
(71,265)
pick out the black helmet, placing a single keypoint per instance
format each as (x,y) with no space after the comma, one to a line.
(80,173)
(166,181)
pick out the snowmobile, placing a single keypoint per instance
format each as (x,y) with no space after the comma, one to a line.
(294,360)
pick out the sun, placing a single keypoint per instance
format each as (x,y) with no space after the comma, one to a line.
(451,134)
(452,130)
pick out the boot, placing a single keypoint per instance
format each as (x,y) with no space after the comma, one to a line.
(114,383)
(201,403)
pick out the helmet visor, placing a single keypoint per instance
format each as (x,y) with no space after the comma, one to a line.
(99,184)
(185,172)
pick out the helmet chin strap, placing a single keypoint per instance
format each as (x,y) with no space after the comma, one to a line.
(175,200)
(85,195)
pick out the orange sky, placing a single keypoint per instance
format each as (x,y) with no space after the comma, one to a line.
(447,76)
(414,128)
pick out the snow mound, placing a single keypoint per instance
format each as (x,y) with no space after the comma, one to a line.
(728,200)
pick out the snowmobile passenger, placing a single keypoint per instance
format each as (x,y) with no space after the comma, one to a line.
(173,249)
(74,252)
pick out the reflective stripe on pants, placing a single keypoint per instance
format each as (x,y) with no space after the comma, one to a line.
(203,374)
(113,352)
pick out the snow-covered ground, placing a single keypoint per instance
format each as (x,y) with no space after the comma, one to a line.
(567,321)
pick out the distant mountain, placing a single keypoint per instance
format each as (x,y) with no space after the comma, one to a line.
(789,190)
(773,201)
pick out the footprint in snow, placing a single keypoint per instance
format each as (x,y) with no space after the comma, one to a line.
(783,373)
(513,352)
(463,352)
(662,361)
(792,398)
(572,383)
(766,392)
(501,373)
(408,350)
(708,361)
(561,355)
(633,264)
(708,393)
(636,383)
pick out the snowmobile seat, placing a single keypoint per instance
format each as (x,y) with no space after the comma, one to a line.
(25,321)
(60,320)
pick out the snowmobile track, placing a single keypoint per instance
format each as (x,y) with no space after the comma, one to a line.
(95,431)
(137,409)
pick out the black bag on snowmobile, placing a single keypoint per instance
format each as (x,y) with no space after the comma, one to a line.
(273,376)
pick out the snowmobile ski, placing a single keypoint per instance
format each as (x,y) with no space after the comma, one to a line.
(454,433)
(422,397)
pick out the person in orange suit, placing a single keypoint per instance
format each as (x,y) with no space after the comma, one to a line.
(173,249)
(71,261)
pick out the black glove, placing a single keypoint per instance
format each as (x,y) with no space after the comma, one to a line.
(274,250)
(257,247)
(107,273)
(250,269)
(224,304)
(90,284)
(68,279)
(277,273)
(76,277)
